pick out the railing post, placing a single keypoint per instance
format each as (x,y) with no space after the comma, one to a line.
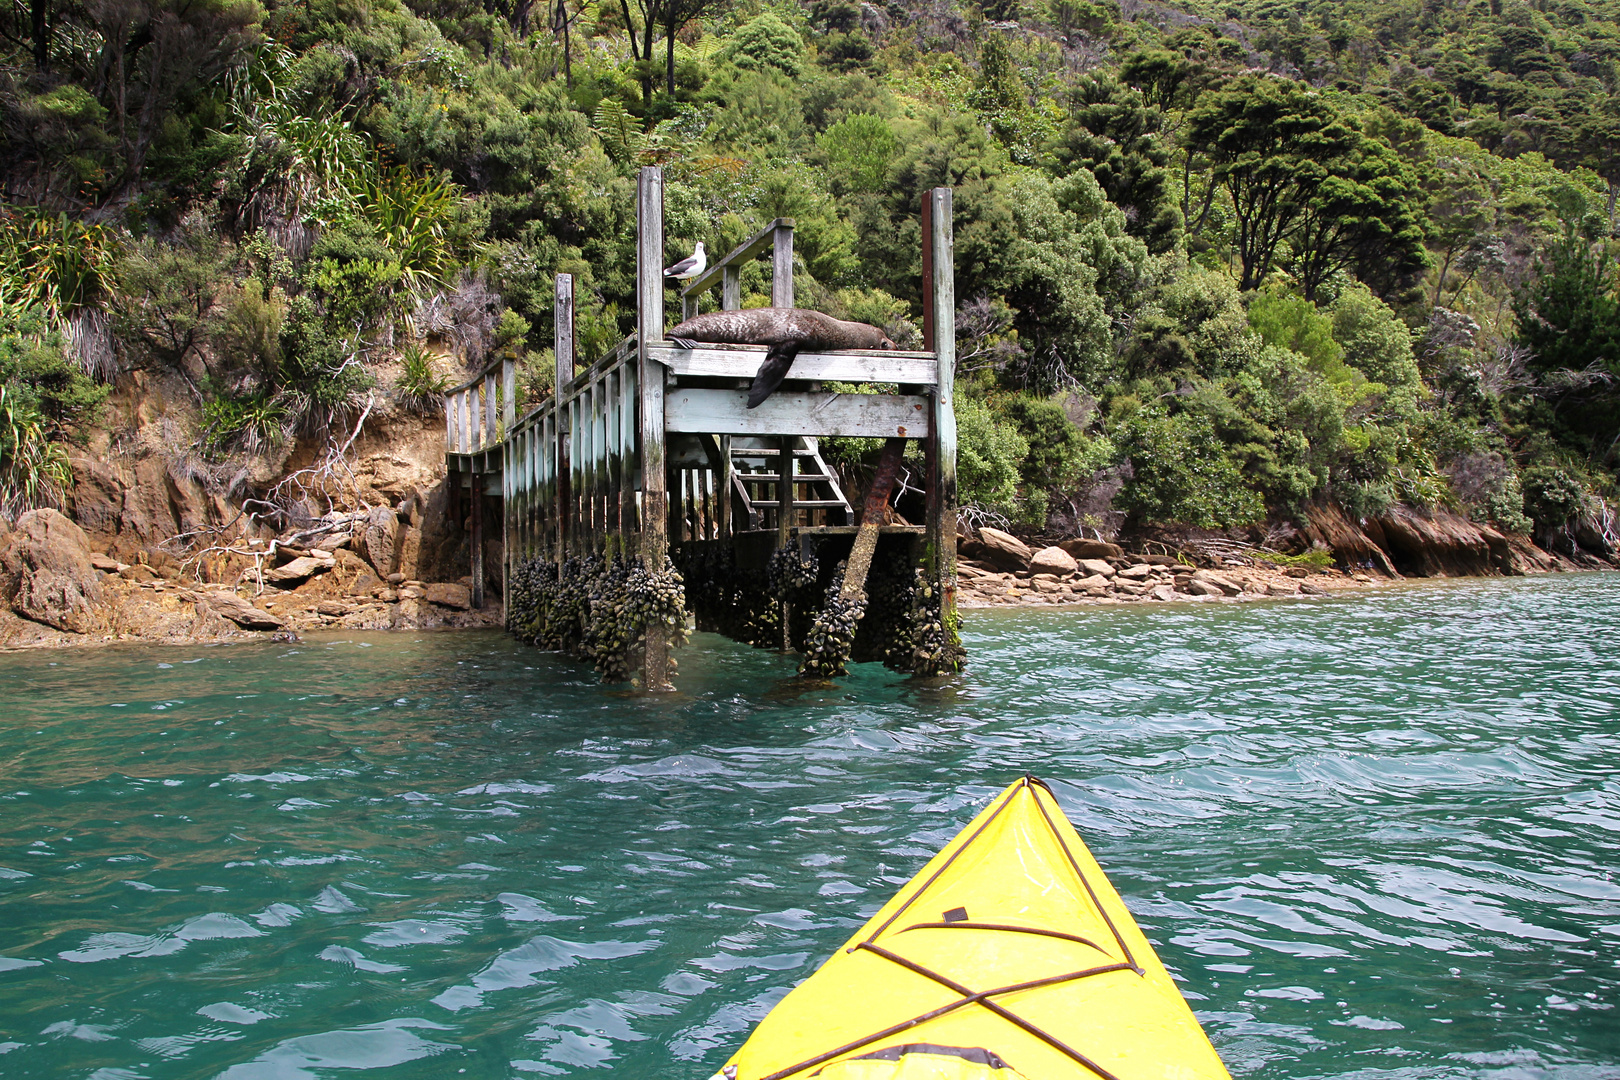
(563,340)
(468,420)
(730,289)
(450,422)
(782,267)
(508,397)
(650,381)
(939,326)
(489,410)
(563,335)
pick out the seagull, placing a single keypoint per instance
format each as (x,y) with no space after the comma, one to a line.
(689,268)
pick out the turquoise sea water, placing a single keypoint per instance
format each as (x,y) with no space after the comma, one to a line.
(1375,837)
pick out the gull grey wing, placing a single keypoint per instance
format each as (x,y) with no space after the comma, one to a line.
(681,267)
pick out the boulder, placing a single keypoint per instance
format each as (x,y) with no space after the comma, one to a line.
(1163,592)
(334,607)
(379,540)
(1139,572)
(1198,587)
(1053,560)
(365,584)
(1096,566)
(1002,549)
(98,495)
(1092,549)
(242,613)
(447,595)
(1282,588)
(1225,585)
(105,562)
(298,571)
(48,559)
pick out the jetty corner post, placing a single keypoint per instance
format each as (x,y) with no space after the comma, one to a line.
(654,516)
(563,342)
(507,429)
(939,329)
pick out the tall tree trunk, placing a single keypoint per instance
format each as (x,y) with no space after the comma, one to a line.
(42,42)
(630,30)
(648,29)
(1440,285)
(669,64)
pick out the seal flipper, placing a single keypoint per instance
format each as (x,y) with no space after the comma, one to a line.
(772,371)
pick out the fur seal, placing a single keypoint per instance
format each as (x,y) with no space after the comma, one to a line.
(786,330)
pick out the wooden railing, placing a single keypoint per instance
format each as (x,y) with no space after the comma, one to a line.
(777,238)
(479,412)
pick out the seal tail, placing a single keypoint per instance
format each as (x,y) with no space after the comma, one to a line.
(772,372)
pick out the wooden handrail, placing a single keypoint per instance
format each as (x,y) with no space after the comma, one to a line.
(488,369)
(754,247)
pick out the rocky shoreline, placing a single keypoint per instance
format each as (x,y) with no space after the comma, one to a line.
(61,592)
(59,587)
(997,569)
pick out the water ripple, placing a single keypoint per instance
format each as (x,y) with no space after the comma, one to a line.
(1372,837)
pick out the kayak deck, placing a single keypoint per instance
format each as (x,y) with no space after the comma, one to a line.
(1011,939)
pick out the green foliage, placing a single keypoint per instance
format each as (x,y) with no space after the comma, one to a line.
(1180,471)
(412,216)
(1114,132)
(420,386)
(321,378)
(1314,559)
(1057,458)
(54,262)
(34,471)
(858,150)
(989,452)
(1553,497)
(1292,322)
(1385,275)
(248,425)
(767,43)
(1374,340)
(41,378)
(165,293)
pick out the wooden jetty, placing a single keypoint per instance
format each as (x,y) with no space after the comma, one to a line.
(648,459)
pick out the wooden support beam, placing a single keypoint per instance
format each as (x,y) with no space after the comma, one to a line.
(709,410)
(476,512)
(730,289)
(939,290)
(742,361)
(650,421)
(784,522)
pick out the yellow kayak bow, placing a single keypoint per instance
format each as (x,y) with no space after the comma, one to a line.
(1008,956)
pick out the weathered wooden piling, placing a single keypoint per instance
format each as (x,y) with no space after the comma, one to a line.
(648,458)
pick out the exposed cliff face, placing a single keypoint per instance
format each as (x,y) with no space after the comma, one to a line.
(1409,543)
(159,544)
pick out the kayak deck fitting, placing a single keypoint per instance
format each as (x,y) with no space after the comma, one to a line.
(1009,955)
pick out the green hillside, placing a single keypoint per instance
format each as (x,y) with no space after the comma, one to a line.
(1215,260)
